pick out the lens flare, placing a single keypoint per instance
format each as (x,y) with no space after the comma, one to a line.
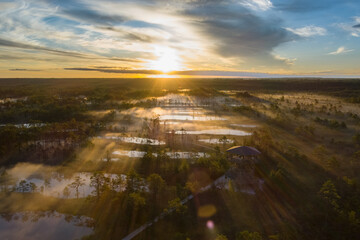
(210,224)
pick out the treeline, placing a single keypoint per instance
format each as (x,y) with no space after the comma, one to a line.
(43,109)
(330,123)
(46,144)
(49,143)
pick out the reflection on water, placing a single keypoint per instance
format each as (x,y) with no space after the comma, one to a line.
(26,125)
(55,184)
(216,141)
(192,111)
(190,118)
(43,225)
(136,140)
(224,131)
(132,154)
(139,154)
(244,125)
(181,100)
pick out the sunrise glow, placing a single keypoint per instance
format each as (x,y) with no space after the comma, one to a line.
(167,60)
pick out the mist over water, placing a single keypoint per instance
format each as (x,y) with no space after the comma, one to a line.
(43,226)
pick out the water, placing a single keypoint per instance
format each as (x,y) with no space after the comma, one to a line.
(216,141)
(170,122)
(136,140)
(181,100)
(26,125)
(11,100)
(186,111)
(244,125)
(55,184)
(140,154)
(43,225)
(219,131)
(190,118)
(131,154)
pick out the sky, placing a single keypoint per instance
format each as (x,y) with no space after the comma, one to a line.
(173,38)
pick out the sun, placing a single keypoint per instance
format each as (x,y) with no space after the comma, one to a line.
(168,60)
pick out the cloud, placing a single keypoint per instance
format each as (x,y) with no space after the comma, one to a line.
(259,5)
(341,50)
(353,28)
(116,70)
(304,6)
(235,31)
(8,43)
(288,61)
(90,16)
(308,31)
(24,70)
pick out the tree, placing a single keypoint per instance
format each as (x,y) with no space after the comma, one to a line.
(117,183)
(108,156)
(224,140)
(137,201)
(156,185)
(99,182)
(23,186)
(221,237)
(46,183)
(147,163)
(183,136)
(32,187)
(333,163)
(4,181)
(155,127)
(176,206)
(329,193)
(76,184)
(66,192)
(356,138)
(246,235)
(133,182)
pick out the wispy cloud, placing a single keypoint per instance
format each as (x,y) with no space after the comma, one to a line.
(116,70)
(288,61)
(260,5)
(353,27)
(341,50)
(13,44)
(305,6)
(308,31)
(357,22)
(24,70)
